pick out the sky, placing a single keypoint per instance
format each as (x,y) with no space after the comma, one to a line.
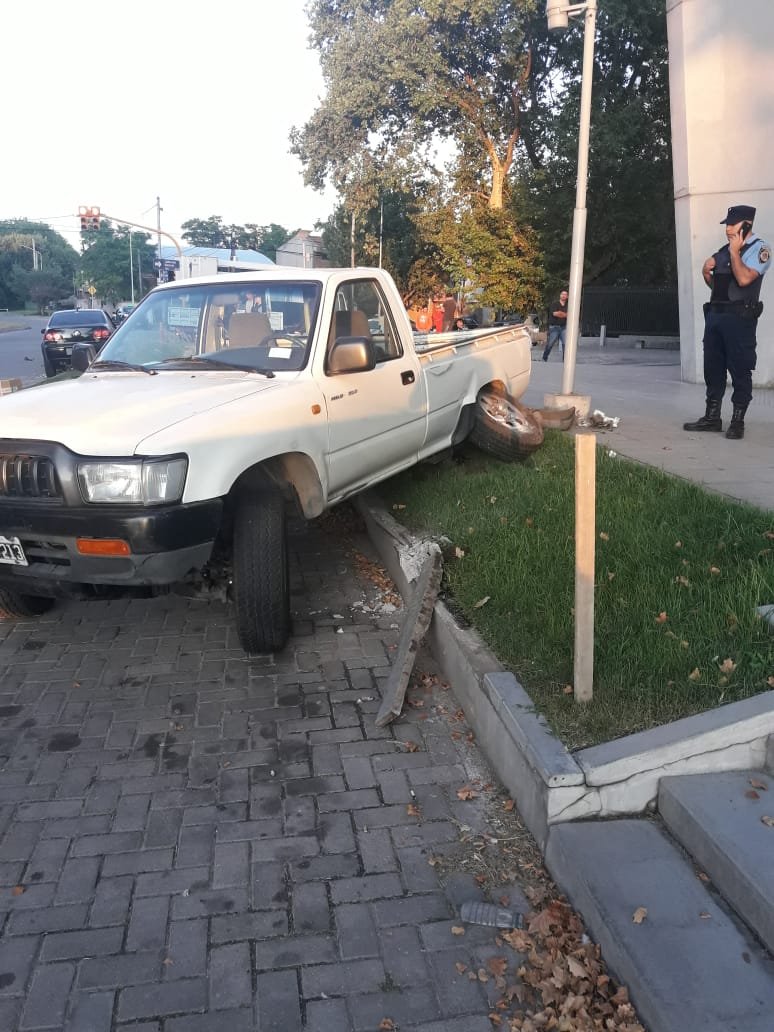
(113,104)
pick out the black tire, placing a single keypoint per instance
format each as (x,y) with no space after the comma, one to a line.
(14,606)
(48,366)
(505,428)
(260,573)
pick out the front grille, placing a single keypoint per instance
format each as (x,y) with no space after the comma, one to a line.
(28,476)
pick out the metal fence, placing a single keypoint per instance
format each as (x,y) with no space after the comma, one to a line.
(646,310)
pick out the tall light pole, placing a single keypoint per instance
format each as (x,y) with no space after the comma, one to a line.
(558,13)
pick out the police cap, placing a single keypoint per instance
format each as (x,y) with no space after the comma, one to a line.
(738,213)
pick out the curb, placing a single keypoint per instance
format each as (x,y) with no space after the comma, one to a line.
(549,784)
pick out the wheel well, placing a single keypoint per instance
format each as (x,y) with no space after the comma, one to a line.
(293,474)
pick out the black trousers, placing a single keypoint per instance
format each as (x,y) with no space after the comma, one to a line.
(729,347)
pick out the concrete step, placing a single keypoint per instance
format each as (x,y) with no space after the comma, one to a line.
(717,818)
(690,965)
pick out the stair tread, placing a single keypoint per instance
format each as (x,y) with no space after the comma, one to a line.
(690,964)
(717,818)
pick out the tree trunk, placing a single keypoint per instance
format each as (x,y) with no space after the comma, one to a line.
(498,182)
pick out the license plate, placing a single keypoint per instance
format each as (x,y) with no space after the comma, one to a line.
(11,552)
(68,351)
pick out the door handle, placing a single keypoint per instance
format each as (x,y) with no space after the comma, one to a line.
(407,377)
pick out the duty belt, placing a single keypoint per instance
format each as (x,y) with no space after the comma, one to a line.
(751,309)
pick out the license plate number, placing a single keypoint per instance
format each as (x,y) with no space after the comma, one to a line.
(11,552)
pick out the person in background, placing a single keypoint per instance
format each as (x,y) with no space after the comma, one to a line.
(734,274)
(557,324)
(449,310)
(424,320)
(438,315)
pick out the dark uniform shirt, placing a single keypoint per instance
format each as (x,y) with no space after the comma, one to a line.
(755,254)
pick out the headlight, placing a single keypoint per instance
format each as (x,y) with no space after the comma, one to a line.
(145,481)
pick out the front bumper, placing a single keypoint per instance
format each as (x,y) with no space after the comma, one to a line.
(165,544)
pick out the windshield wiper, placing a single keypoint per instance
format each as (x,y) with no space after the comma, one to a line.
(216,363)
(112,363)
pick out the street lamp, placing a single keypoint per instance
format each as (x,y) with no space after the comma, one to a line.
(558,14)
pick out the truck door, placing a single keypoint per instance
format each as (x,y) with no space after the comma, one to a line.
(376,419)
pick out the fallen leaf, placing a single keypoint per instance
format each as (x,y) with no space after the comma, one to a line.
(435,860)
(398,506)
(678,544)
(493,499)
(482,975)
(756,783)
(457,930)
(459,553)
(682,580)
(728,666)
(703,877)
(412,747)
(18,890)
(529,521)
(412,810)
(496,1019)
(167,962)
(684,644)
(705,916)
(577,970)
(481,602)
(466,792)
(695,674)
(768,821)
(610,575)
(604,536)
(508,805)
(769,535)
(714,570)
(639,915)
(387,1025)
(662,618)
(461,968)
(568,689)
(770,682)
(497,966)
(751,794)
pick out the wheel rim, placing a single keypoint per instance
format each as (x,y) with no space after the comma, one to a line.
(503,411)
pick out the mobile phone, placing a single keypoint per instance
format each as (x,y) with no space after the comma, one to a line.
(746,227)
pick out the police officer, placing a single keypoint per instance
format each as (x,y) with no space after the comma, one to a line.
(734,275)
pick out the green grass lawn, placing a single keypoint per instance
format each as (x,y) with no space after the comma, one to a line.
(679,573)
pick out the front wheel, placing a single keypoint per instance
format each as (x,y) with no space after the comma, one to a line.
(14,606)
(505,428)
(260,573)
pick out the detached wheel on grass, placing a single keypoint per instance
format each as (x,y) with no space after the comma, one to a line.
(260,572)
(14,606)
(505,428)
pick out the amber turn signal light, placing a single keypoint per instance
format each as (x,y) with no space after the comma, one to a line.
(102,546)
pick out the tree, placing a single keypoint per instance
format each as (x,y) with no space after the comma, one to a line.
(212,232)
(397,72)
(630,237)
(105,261)
(57,263)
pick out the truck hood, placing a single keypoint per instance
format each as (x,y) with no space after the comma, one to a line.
(111,413)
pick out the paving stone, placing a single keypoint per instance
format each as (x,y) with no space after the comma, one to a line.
(405,1008)
(277,997)
(47,997)
(157,1000)
(119,971)
(310,908)
(338,979)
(74,945)
(147,924)
(186,953)
(112,898)
(234,927)
(230,977)
(217,1021)
(327,1016)
(356,931)
(16,956)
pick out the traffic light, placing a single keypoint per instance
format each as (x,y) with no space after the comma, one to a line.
(90,219)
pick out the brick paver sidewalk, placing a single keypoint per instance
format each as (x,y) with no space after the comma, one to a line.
(193,841)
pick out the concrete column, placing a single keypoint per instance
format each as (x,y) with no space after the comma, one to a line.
(722,102)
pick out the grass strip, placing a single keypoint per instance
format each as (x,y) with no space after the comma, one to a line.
(679,573)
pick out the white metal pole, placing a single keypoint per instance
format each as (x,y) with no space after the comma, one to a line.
(579,215)
(381,229)
(131,266)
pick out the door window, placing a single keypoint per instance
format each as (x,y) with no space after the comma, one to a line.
(360,311)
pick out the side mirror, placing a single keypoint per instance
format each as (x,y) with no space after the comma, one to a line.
(351,355)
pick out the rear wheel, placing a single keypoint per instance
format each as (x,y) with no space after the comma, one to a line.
(260,572)
(48,366)
(14,606)
(505,428)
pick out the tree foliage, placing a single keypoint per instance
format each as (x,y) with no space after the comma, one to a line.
(19,281)
(105,263)
(213,232)
(396,71)
(630,235)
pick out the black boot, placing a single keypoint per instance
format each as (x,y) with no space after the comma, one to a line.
(736,427)
(710,420)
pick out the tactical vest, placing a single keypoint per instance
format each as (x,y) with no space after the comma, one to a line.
(724,285)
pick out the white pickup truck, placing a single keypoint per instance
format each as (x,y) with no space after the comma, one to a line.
(215,403)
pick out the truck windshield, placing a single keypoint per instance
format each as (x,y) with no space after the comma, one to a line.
(255,324)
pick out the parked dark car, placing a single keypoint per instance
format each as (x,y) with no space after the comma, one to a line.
(86,331)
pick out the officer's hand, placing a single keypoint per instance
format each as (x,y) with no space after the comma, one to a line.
(735,242)
(708,266)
